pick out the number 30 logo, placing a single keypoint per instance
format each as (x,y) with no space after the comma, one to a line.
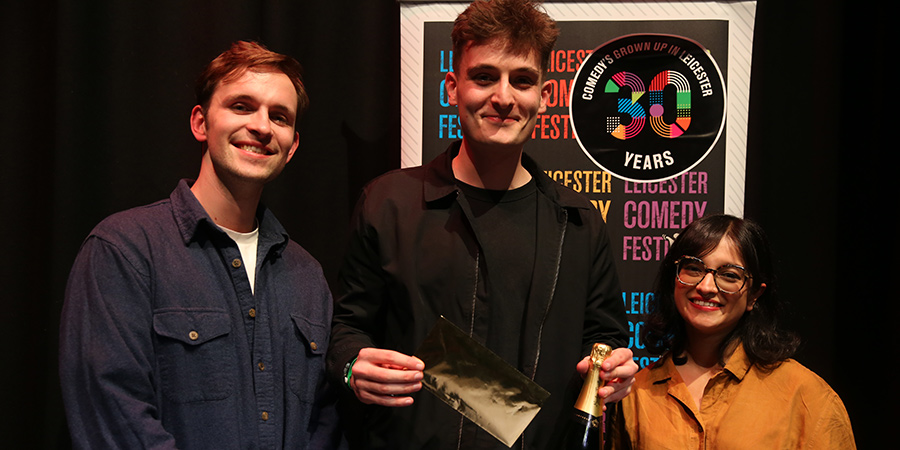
(684,106)
(632,108)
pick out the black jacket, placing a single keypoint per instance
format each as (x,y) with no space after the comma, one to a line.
(413,256)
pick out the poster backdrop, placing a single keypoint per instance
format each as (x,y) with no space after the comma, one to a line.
(647,117)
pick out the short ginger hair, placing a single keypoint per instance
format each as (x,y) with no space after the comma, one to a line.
(522,24)
(244,56)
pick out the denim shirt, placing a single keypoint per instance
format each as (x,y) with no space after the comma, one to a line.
(163,345)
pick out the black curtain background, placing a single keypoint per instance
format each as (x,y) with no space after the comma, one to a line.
(96,98)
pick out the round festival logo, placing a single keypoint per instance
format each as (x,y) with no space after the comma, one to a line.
(648,107)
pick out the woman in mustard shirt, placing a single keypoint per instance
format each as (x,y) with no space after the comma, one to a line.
(725,378)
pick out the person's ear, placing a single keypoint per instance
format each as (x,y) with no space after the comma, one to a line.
(546,90)
(198,123)
(293,147)
(751,301)
(450,84)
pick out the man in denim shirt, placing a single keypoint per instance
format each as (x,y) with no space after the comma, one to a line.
(195,322)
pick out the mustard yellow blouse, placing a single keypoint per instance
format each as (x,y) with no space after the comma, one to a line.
(743,407)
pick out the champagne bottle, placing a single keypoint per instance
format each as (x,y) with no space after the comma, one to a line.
(585,431)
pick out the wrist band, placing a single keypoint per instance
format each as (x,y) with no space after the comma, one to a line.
(348,372)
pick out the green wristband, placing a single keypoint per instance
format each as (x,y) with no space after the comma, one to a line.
(348,372)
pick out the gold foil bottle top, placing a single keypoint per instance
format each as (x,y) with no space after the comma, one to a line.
(588,400)
(599,353)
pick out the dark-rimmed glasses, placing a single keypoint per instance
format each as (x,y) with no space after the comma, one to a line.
(729,279)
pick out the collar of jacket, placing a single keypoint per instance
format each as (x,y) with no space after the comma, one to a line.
(440,183)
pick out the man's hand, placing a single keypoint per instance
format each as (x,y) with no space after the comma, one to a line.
(385,377)
(617,370)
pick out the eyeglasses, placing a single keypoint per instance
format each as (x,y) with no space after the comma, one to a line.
(729,278)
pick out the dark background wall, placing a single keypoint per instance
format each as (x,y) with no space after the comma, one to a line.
(95,104)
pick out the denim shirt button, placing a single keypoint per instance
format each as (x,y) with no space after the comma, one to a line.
(313,346)
(252,313)
(236,263)
(193,335)
(264,415)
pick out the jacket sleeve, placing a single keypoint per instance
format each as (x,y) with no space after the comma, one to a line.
(361,289)
(605,319)
(106,353)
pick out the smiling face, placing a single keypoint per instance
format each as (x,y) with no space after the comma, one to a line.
(707,311)
(499,95)
(248,129)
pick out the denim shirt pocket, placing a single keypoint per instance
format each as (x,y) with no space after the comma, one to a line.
(195,354)
(305,355)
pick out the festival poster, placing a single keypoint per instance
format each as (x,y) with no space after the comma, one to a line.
(647,117)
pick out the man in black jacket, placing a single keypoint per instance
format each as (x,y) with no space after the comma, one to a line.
(483,237)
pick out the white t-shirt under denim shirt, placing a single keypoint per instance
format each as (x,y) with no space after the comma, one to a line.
(246,243)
